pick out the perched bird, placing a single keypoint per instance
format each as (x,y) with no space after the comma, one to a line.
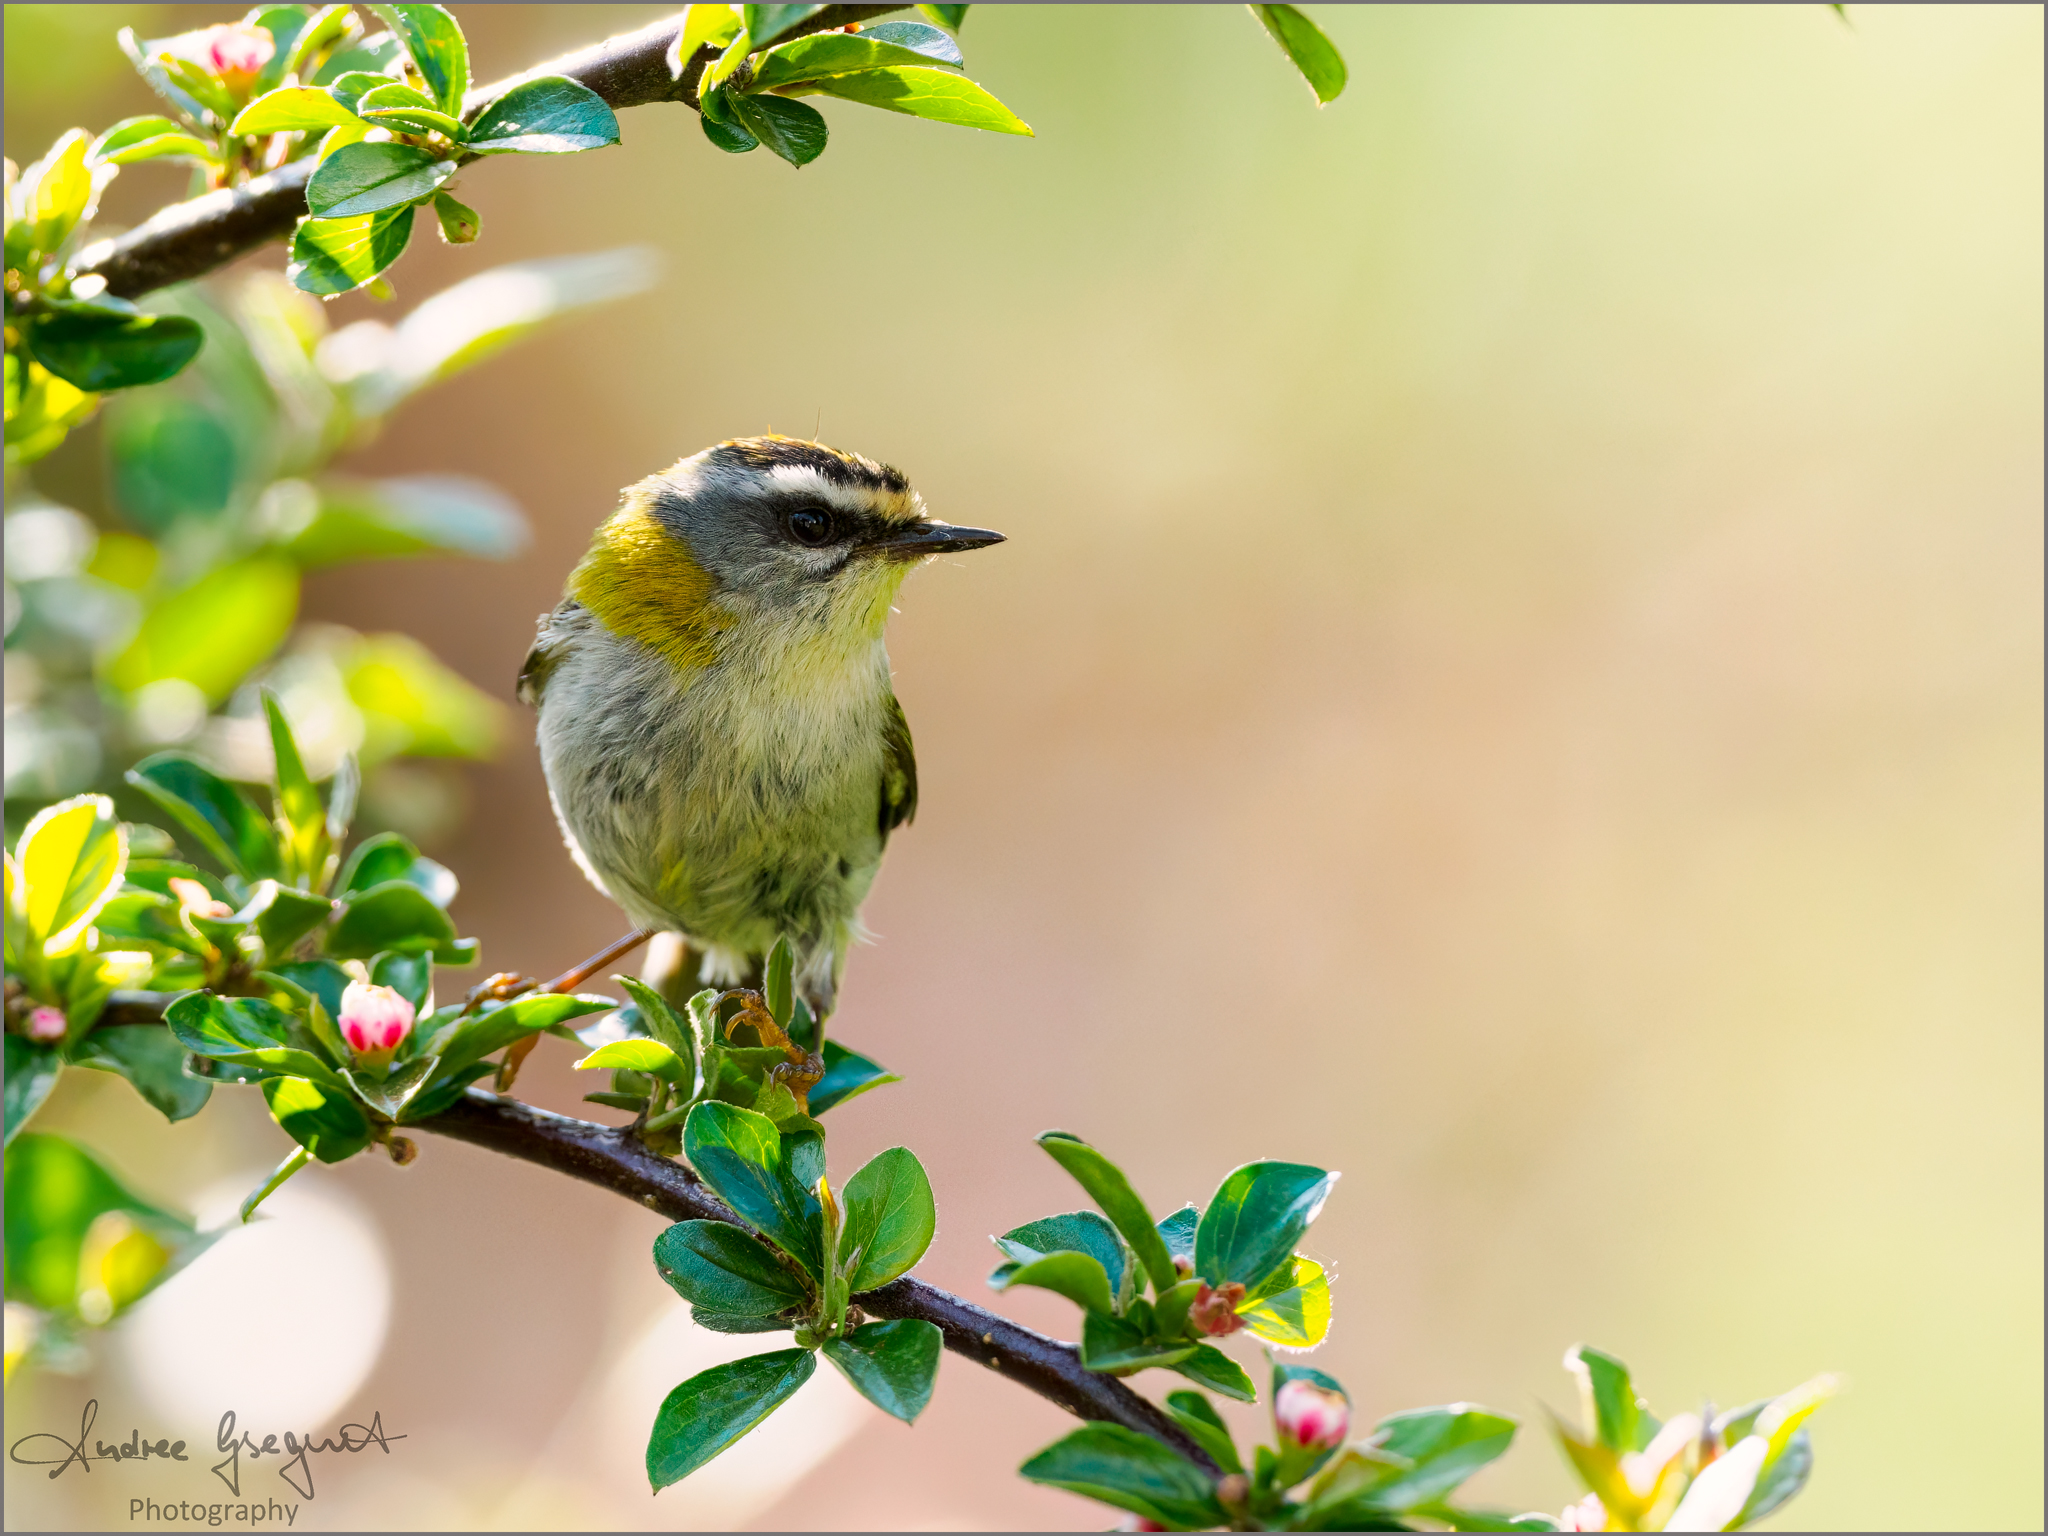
(722,744)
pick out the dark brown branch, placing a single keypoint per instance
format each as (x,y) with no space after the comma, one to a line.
(615,1160)
(191,239)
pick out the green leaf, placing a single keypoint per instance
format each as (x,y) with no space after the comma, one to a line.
(326,1121)
(1446,1445)
(283,23)
(300,810)
(727,134)
(1112,1192)
(946,15)
(395,915)
(435,41)
(391,1093)
(704,26)
(135,139)
(1073,1231)
(848,1075)
(249,1032)
(1123,1344)
(1257,1216)
(1077,1276)
(1170,1308)
(360,179)
(395,105)
(765,23)
(661,1022)
(1195,1414)
(292,109)
(1612,1410)
(637,1056)
(1291,1307)
(391,856)
(212,811)
(777,989)
(352,87)
(442,1091)
(410,976)
(1208,1366)
(714,1408)
(373,55)
(792,130)
(732,1322)
(1303,42)
(32,1071)
(151,1060)
(324,980)
(1178,1232)
(930,42)
(51,196)
(751,1166)
(460,223)
(722,1268)
(413,515)
(70,859)
(330,27)
(844,53)
(100,347)
(60,1206)
(1129,1470)
(332,256)
(890,1219)
(893,1365)
(460,1041)
(934,94)
(1780,1479)
(552,115)
(213,634)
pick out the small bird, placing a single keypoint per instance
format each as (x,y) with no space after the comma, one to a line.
(722,743)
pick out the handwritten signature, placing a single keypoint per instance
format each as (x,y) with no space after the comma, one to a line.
(296,1449)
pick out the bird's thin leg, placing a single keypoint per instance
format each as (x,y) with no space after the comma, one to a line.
(801,1070)
(506,985)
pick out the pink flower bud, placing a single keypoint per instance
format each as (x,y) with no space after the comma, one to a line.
(46,1024)
(374,1021)
(1311,1416)
(1130,1522)
(1589,1514)
(1215,1312)
(235,53)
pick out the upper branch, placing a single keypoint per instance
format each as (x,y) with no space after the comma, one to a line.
(616,1160)
(191,239)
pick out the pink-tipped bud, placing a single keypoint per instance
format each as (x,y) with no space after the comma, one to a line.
(1311,1416)
(236,53)
(1589,1514)
(46,1024)
(198,900)
(374,1021)
(1215,1312)
(1131,1522)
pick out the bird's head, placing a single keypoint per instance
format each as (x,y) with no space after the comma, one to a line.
(770,529)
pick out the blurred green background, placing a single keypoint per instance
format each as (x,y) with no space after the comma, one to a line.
(1517,675)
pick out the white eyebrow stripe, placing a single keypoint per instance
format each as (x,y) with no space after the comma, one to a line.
(854,498)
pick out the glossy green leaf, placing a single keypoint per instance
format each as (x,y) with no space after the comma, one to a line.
(1122,1344)
(332,256)
(460,1041)
(361,179)
(890,1219)
(401,107)
(212,811)
(636,1056)
(136,139)
(843,53)
(1198,1416)
(1303,43)
(552,115)
(848,1075)
(301,812)
(285,916)
(443,1090)
(1257,1216)
(325,1120)
(283,23)
(1208,1366)
(917,37)
(410,976)
(99,347)
(1178,1232)
(790,129)
(56,1194)
(353,86)
(395,915)
(663,1024)
(70,859)
(31,1072)
(385,857)
(1077,1276)
(292,109)
(1112,1192)
(1132,1471)
(720,1267)
(765,23)
(777,985)
(324,980)
(714,1408)
(1781,1478)
(373,55)
(1612,1410)
(937,95)
(1073,1231)
(1170,1308)
(435,41)
(251,1032)
(50,197)
(460,223)
(214,633)
(752,1167)
(727,134)
(945,15)
(704,26)
(392,1092)
(894,1365)
(329,29)
(1292,1307)
(1446,1445)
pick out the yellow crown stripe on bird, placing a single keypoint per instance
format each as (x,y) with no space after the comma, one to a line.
(722,745)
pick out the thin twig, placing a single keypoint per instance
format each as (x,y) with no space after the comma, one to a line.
(190,239)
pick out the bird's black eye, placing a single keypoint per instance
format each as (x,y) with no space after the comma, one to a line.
(811,526)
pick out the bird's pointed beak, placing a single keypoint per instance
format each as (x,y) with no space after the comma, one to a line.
(934,539)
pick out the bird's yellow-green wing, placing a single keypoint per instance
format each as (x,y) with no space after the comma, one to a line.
(899,770)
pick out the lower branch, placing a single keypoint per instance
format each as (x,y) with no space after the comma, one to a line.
(615,1160)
